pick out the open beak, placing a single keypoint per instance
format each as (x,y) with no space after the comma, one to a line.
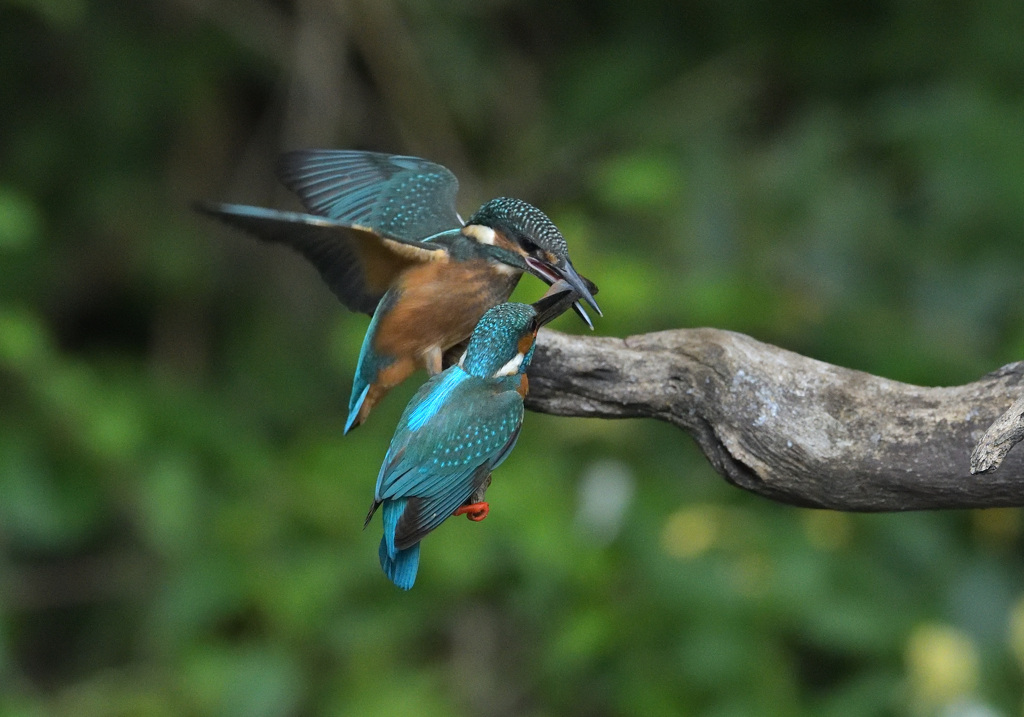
(564,271)
(554,303)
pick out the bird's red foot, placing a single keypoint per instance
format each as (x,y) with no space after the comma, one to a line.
(474,511)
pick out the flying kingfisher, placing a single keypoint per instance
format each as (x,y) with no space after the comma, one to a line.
(386,237)
(459,426)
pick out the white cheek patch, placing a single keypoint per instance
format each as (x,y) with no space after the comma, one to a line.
(505,269)
(512,367)
(485,235)
(480,234)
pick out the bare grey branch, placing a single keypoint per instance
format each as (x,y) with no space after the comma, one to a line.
(788,427)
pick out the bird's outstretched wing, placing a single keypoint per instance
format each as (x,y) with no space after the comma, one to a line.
(357,263)
(397,196)
(439,464)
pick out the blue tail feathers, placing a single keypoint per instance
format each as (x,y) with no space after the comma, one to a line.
(354,406)
(401,569)
(370,364)
(399,565)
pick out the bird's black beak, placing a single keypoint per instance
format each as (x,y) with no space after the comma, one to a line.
(553,304)
(565,271)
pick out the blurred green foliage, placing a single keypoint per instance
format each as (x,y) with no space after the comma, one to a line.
(180,517)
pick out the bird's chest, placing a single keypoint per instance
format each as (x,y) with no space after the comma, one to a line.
(439,304)
(524,385)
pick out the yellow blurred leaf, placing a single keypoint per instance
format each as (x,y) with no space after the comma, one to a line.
(942,665)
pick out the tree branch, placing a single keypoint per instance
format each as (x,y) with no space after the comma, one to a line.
(788,427)
(1001,436)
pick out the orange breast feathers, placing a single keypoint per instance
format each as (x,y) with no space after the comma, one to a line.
(524,385)
(525,344)
(439,305)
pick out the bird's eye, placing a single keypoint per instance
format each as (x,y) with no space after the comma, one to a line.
(530,246)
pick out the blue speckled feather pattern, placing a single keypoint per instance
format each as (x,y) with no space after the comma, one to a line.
(459,426)
(495,340)
(437,462)
(402,197)
(521,219)
(384,233)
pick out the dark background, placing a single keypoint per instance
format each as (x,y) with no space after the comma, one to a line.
(180,516)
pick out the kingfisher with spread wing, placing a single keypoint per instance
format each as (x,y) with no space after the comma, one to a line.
(387,239)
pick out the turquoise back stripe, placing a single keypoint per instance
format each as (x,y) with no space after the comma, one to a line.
(436,398)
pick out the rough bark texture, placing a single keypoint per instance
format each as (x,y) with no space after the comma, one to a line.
(1004,434)
(788,427)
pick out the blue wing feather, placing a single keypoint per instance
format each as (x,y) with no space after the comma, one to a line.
(339,250)
(469,432)
(426,513)
(355,402)
(436,398)
(473,427)
(370,362)
(402,197)
(455,430)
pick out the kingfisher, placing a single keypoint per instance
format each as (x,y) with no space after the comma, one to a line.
(460,425)
(387,239)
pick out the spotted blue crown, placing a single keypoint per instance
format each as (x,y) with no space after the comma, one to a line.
(521,220)
(495,341)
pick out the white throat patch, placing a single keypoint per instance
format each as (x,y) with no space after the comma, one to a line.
(512,367)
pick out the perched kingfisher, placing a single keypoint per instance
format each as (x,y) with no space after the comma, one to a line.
(459,426)
(386,237)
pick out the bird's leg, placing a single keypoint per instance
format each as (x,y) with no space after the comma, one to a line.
(476,508)
(432,360)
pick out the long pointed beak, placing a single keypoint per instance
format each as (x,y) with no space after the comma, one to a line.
(555,302)
(566,272)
